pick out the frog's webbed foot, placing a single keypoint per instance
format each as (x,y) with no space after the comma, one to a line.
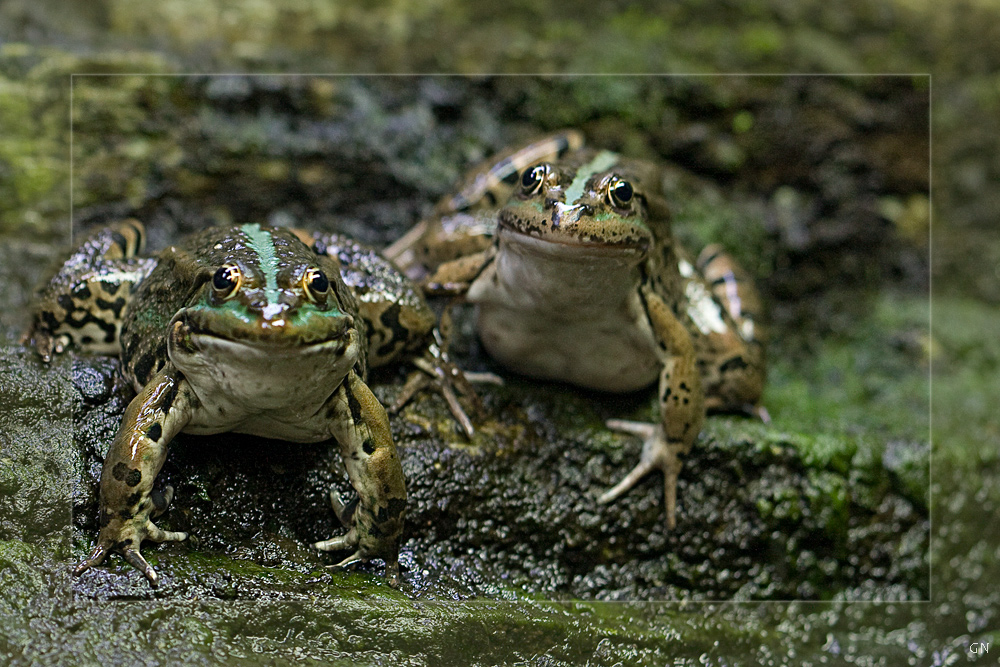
(45,343)
(128,546)
(657,454)
(349,540)
(436,370)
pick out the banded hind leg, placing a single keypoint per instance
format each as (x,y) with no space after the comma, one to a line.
(463,223)
(83,305)
(733,364)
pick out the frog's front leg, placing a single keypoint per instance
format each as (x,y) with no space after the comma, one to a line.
(454,278)
(682,408)
(375,522)
(128,502)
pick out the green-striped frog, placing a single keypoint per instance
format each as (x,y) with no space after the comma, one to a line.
(251,329)
(578,278)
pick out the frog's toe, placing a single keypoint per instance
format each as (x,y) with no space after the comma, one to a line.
(135,559)
(44,342)
(156,535)
(350,560)
(437,371)
(391,563)
(392,572)
(441,379)
(350,541)
(644,430)
(161,499)
(339,543)
(344,511)
(96,557)
(657,454)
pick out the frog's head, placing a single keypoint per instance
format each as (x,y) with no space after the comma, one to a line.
(598,201)
(262,297)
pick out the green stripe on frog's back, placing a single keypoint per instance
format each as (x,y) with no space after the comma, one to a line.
(601,162)
(262,243)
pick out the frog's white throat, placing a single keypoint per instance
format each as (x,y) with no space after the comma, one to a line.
(264,390)
(566,312)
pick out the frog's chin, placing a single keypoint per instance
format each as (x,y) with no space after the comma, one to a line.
(243,377)
(544,241)
(192,329)
(189,345)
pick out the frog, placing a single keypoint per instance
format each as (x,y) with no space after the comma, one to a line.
(577,278)
(247,328)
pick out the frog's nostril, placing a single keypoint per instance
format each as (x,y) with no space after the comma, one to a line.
(272,310)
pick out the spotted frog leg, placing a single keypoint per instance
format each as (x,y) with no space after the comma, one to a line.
(82,305)
(734,370)
(128,502)
(375,521)
(682,408)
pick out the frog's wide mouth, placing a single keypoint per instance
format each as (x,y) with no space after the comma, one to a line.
(193,328)
(571,236)
(568,245)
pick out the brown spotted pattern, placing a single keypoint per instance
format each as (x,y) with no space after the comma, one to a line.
(290,298)
(705,324)
(82,305)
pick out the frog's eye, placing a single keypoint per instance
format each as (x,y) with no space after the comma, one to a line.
(533,178)
(315,283)
(620,192)
(227,280)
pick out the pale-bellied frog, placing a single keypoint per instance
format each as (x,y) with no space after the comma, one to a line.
(578,278)
(249,329)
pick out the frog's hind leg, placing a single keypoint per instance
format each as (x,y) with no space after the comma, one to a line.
(84,303)
(733,366)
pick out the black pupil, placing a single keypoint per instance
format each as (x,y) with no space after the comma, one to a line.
(318,282)
(224,278)
(622,192)
(532,178)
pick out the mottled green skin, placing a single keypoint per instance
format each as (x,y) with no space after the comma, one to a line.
(249,329)
(178,281)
